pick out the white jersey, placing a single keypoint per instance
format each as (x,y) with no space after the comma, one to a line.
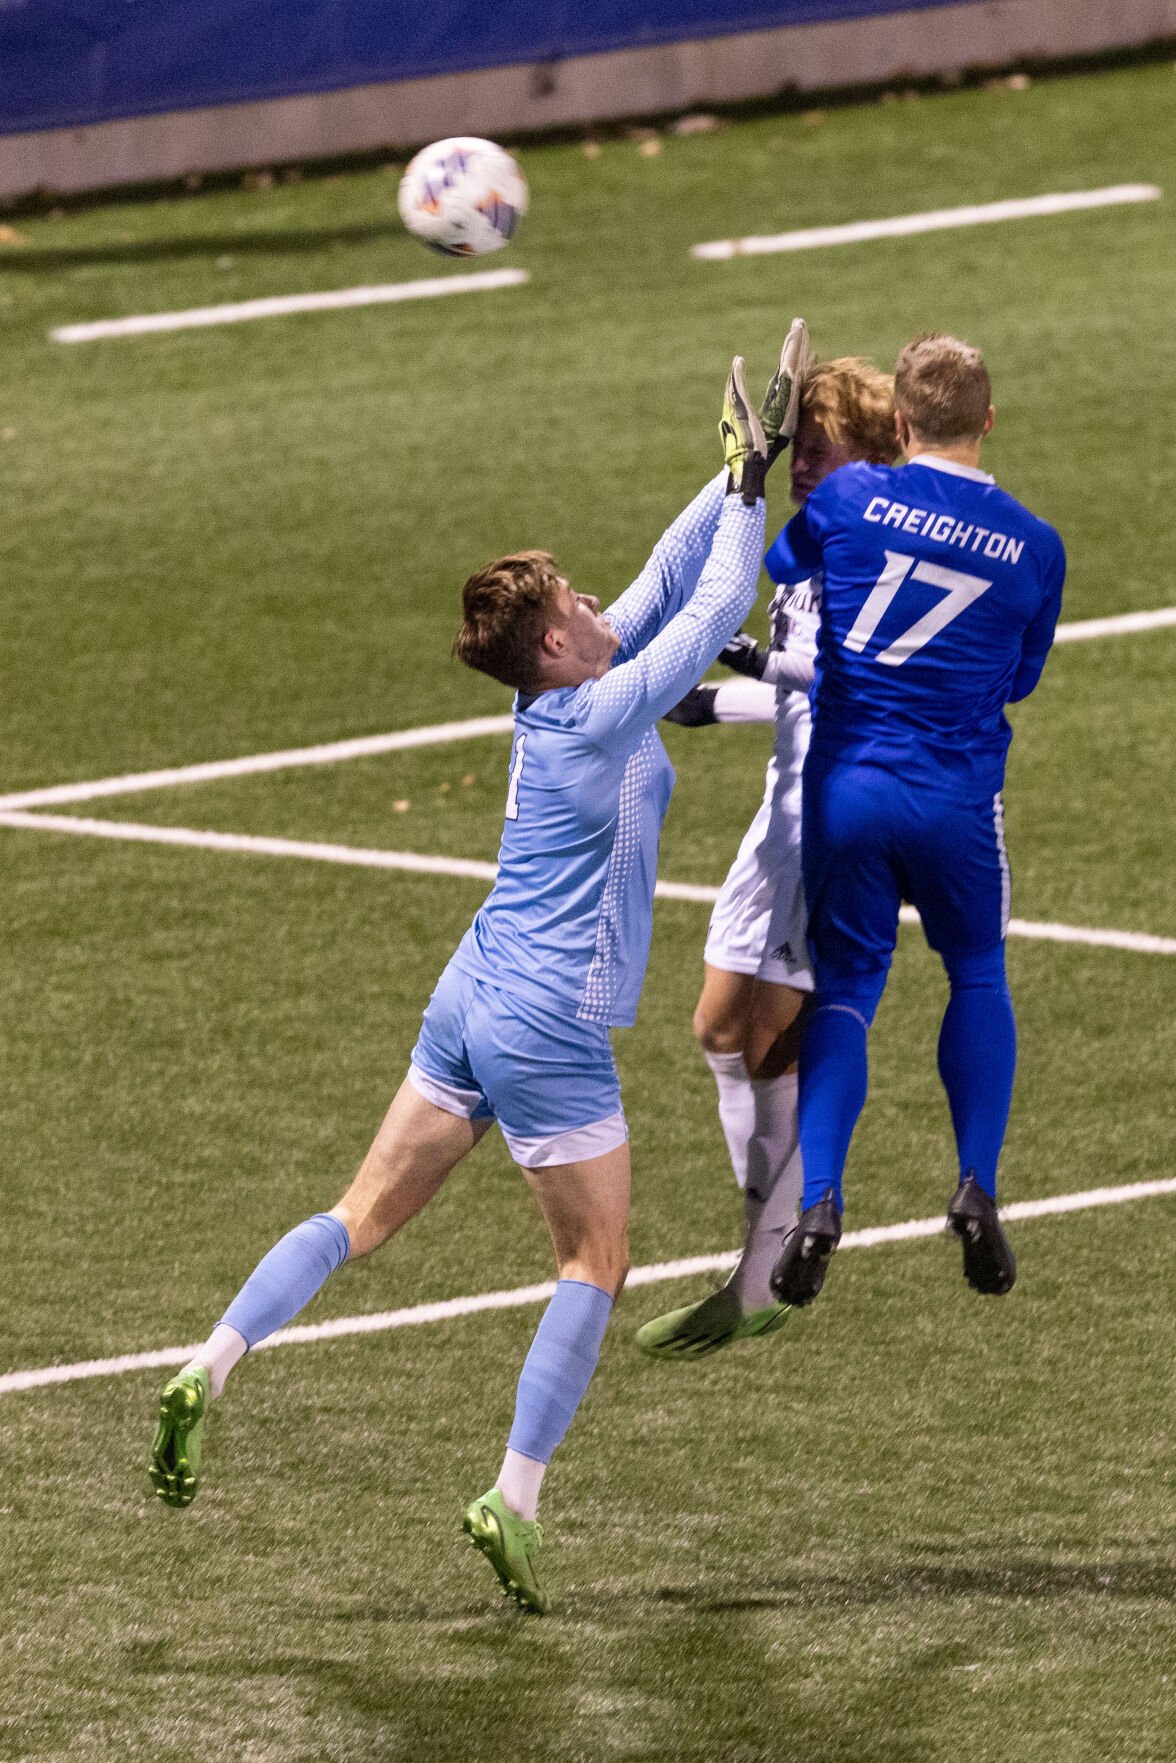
(759,920)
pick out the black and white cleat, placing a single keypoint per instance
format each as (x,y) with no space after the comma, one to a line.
(989,1263)
(799,1274)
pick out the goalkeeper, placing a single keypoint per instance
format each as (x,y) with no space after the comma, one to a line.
(517,1030)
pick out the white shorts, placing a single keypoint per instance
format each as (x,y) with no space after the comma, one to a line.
(759,924)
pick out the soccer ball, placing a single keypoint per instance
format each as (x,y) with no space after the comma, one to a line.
(463,196)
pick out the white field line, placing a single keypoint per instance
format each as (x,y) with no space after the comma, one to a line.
(473,869)
(365,746)
(934,221)
(330,753)
(250,845)
(450,1308)
(1124,624)
(282,305)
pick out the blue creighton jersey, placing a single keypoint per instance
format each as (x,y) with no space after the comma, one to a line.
(568,924)
(941,593)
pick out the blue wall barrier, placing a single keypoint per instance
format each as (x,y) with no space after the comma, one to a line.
(64,63)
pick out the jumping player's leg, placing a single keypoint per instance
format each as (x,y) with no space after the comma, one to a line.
(853,890)
(552,1084)
(757,1106)
(960,883)
(586,1208)
(417,1146)
(721,1019)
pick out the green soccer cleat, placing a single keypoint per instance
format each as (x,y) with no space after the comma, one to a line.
(179,1440)
(702,1328)
(780,410)
(511,1545)
(744,447)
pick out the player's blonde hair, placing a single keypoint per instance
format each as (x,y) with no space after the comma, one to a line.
(942,388)
(853,402)
(506,608)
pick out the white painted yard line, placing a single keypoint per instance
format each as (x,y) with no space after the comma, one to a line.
(283,305)
(1040,930)
(412,862)
(935,220)
(329,753)
(521,1296)
(251,845)
(1124,624)
(472,728)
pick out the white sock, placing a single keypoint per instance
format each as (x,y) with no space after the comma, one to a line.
(736,1107)
(218,1356)
(775,1181)
(519,1481)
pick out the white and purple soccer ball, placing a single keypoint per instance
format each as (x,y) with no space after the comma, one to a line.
(463,196)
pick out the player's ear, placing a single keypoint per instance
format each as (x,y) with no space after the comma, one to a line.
(988,421)
(555,640)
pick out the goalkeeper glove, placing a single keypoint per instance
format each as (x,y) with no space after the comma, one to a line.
(780,413)
(744,446)
(744,655)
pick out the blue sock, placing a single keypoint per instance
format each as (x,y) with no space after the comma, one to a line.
(288,1277)
(559,1367)
(833,1081)
(977,1059)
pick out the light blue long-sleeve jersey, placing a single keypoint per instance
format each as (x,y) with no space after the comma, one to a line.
(567,926)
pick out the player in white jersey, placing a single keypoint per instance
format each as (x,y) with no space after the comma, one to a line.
(517,1030)
(757,974)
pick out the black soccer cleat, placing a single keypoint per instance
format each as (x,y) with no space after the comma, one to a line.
(989,1264)
(799,1274)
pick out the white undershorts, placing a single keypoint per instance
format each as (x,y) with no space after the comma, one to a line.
(759,924)
(544,1151)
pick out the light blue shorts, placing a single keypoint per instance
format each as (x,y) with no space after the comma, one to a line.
(549,1081)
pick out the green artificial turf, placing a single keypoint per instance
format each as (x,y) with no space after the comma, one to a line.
(915,1526)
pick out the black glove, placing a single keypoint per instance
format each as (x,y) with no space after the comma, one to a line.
(744,655)
(696,709)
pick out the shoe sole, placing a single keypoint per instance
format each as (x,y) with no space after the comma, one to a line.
(488,1542)
(988,1268)
(170,1471)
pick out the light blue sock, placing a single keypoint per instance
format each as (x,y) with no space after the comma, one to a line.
(559,1367)
(288,1277)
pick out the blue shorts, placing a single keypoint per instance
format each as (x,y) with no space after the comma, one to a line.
(871,841)
(549,1081)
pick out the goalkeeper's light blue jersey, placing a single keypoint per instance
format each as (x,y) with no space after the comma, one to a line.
(568,924)
(941,593)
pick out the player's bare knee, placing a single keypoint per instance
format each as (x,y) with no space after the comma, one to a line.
(717,1034)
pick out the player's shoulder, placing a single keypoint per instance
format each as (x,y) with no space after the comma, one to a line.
(560,710)
(850,482)
(1043,538)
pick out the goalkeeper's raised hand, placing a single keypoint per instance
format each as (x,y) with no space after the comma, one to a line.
(744,447)
(780,413)
(744,655)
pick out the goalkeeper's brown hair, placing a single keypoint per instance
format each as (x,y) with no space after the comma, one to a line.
(943,389)
(853,402)
(506,608)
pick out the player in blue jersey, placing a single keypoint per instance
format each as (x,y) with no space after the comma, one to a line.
(517,1030)
(940,597)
